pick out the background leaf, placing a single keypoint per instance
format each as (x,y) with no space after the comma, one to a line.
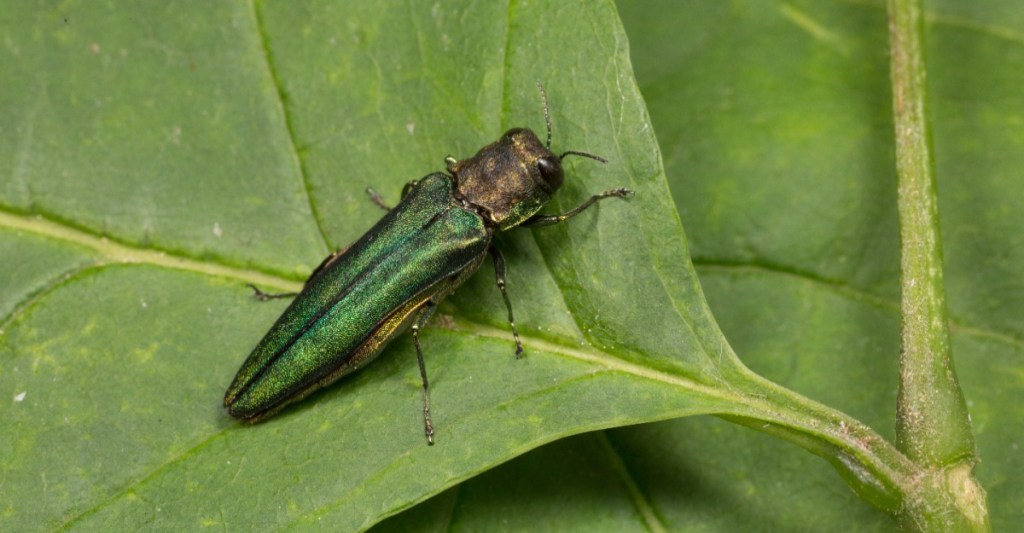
(803,274)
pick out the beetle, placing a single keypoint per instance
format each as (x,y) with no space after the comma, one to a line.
(392,278)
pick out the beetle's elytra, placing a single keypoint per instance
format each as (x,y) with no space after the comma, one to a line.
(394,276)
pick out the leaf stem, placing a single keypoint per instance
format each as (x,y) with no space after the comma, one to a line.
(877,471)
(932,428)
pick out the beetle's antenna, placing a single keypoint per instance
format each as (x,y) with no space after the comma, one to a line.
(584,154)
(547,115)
(547,121)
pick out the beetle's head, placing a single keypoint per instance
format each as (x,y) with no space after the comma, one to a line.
(510,180)
(543,166)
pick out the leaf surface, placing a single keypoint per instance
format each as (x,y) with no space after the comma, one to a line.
(159,159)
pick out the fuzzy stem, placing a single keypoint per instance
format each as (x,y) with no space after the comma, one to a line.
(933,427)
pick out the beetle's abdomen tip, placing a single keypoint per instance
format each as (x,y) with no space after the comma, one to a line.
(243,415)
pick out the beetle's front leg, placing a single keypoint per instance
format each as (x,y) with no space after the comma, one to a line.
(421,319)
(499,275)
(547,220)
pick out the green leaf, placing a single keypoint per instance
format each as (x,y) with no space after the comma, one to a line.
(160,158)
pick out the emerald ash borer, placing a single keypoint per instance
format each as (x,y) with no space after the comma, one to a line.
(394,276)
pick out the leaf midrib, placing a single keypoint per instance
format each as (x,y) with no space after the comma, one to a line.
(111,250)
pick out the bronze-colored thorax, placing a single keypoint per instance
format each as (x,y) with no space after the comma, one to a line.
(508,181)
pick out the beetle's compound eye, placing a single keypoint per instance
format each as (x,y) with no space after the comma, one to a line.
(551,170)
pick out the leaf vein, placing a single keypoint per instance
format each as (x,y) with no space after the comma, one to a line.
(50,285)
(640,500)
(114,251)
(286,118)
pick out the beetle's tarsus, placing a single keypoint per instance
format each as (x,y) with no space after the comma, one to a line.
(267,296)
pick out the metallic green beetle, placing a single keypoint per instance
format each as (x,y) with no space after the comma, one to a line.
(394,276)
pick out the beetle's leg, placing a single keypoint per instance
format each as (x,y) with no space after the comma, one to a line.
(499,275)
(325,263)
(424,315)
(450,163)
(375,198)
(547,220)
(266,296)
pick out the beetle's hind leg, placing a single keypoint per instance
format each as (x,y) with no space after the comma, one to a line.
(376,199)
(267,296)
(499,275)
(422,317)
